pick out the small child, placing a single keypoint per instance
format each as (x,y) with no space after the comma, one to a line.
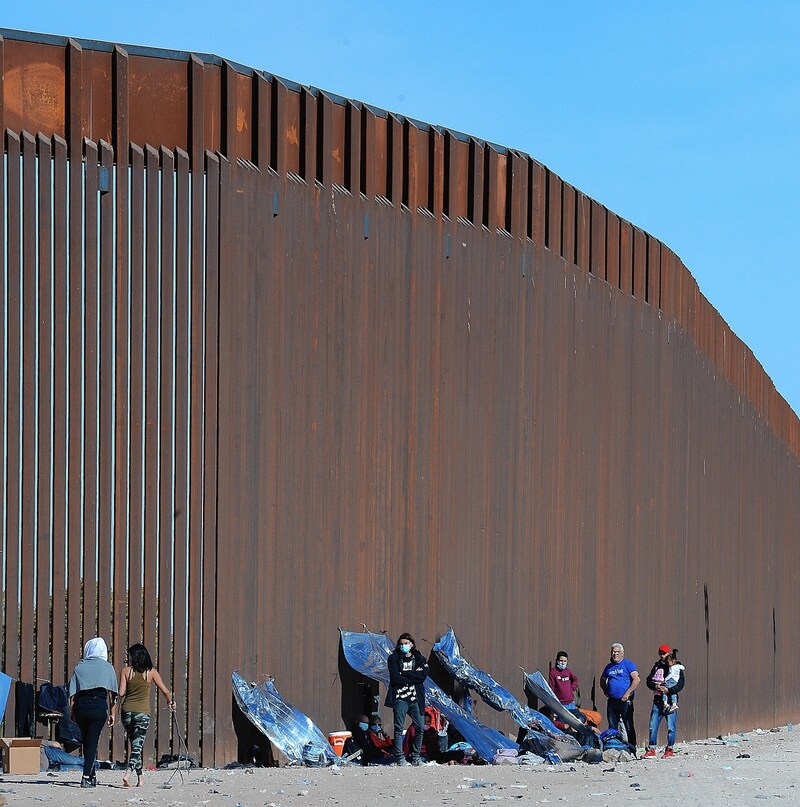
(670,699)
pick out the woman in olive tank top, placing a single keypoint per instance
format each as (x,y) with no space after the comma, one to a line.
(134,692)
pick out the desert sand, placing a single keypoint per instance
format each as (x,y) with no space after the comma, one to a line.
(740,769)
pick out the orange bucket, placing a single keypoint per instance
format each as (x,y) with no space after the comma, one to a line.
(337,740)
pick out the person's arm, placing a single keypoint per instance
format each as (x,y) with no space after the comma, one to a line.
(574,680)
(72,689)
(123,682)
(604,683)
(379,740)
(157,680)
(112,707)
(420,671)
(635,681)
(396,676)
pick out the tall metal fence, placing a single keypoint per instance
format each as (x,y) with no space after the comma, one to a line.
(276,361)
(108,388)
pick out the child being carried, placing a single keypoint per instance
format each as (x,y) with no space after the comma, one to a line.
(669,698)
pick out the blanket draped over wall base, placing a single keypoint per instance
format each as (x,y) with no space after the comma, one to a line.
(288,728)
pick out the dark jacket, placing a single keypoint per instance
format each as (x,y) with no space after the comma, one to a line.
(372,746)
(651,684)
(398,678)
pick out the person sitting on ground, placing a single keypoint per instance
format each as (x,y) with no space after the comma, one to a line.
(431,745)
(52,756)
(374,745)
(380,739)
(671,680)
(564,682)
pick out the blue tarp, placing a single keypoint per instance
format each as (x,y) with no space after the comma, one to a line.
(5,688)
(498,697)
(367,653)
(287,728)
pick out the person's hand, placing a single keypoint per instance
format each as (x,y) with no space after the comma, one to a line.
(111,720)
(172,706)
(624,698)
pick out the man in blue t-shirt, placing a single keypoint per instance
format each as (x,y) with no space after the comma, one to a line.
(620,678)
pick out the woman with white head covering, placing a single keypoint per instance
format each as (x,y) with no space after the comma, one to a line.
(92,701)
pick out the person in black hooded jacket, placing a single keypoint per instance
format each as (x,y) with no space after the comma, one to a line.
(408,669)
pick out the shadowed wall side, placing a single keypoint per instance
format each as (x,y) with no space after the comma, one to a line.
(495,440)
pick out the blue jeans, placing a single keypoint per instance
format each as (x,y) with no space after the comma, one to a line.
(657,714)
(401,709)
(619,711)
(59,757)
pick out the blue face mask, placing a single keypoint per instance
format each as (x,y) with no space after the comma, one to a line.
(376,727)
(405,648)
(363,726)
(561,665)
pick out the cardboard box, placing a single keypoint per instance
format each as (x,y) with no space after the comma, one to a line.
(21,754)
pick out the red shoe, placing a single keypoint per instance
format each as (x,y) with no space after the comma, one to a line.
(651,752)
(668,752)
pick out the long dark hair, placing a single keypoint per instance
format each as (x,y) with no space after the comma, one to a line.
(139,658)
(407,636)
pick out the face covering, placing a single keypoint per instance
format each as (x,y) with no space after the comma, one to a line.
(363,726)
(561,665)
(376,727)
(405,648)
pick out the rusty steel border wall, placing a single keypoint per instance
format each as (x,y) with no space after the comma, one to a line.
(196,102)
(291,350)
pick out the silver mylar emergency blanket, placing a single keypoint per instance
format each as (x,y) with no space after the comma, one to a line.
(368,653)
(498,697)
(287,728)
(536,683)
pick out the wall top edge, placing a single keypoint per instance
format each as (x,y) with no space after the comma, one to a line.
(217,137)
(213,60)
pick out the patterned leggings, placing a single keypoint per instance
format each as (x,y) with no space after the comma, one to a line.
(136,725)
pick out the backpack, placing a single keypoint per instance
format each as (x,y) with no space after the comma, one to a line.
(611,740)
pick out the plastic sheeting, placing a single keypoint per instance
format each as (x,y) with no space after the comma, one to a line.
(536,683)
(368,653)
(498,697)
(295,734)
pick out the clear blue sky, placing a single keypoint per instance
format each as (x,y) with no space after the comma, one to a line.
(682,117)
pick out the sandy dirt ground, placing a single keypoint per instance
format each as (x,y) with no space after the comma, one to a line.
(742,769)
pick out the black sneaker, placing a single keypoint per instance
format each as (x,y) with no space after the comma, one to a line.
(86,782)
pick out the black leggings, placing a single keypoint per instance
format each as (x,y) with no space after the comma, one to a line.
(90,720)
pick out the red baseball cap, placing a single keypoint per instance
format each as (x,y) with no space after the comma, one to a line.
(665,648)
